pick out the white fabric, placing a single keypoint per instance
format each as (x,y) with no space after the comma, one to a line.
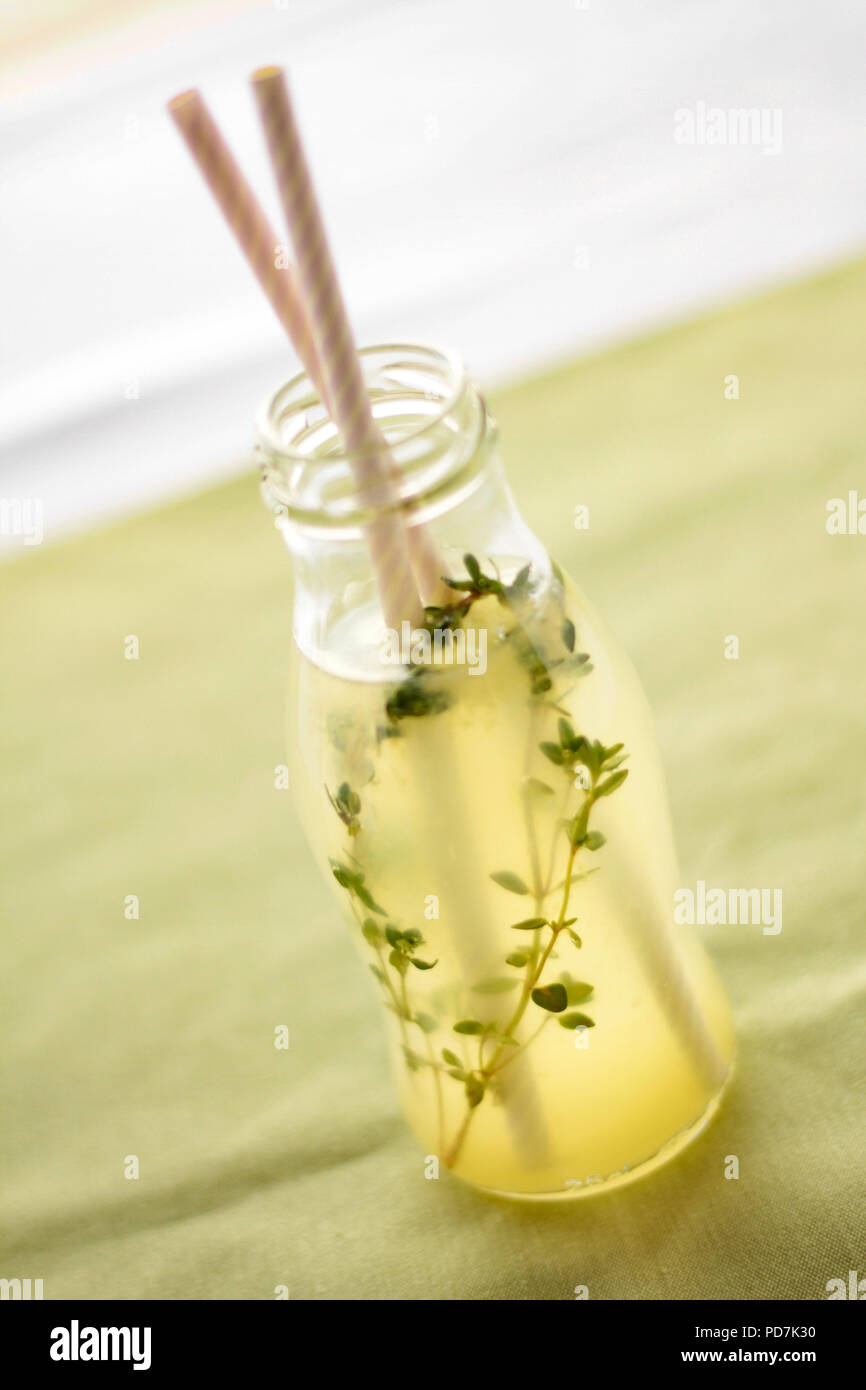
(465,150)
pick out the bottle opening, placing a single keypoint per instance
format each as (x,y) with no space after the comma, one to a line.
(429,413)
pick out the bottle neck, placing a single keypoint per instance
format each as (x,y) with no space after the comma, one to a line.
(445,485)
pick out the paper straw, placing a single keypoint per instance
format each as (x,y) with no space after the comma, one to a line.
(345,387)
(260,246)
(656,949)
(341,368)
(248,223)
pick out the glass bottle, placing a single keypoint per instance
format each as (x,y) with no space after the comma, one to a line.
(484,796)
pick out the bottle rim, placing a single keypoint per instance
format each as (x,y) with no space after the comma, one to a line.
(428,410)
(271,415)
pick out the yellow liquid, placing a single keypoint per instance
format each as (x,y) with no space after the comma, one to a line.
(445,805)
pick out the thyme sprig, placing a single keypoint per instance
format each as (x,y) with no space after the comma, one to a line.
(347,805)
(585,764)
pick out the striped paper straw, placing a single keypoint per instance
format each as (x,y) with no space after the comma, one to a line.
(247,221)
(260,246)
(345,388)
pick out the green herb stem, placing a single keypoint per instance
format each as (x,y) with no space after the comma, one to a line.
(395,947)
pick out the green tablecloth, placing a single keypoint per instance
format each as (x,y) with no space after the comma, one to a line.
(154,1037)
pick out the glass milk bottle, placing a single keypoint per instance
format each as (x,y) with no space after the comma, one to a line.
(483,794)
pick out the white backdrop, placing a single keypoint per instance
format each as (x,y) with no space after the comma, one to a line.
(496,175)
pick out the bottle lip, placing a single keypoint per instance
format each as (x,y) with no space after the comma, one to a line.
(429,412)
(299,393)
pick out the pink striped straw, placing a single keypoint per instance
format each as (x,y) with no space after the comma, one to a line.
(247,221)
(260,246)
(345,388)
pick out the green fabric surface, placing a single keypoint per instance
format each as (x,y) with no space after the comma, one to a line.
(155,777)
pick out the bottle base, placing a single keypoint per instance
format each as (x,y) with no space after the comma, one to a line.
(573,1188)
